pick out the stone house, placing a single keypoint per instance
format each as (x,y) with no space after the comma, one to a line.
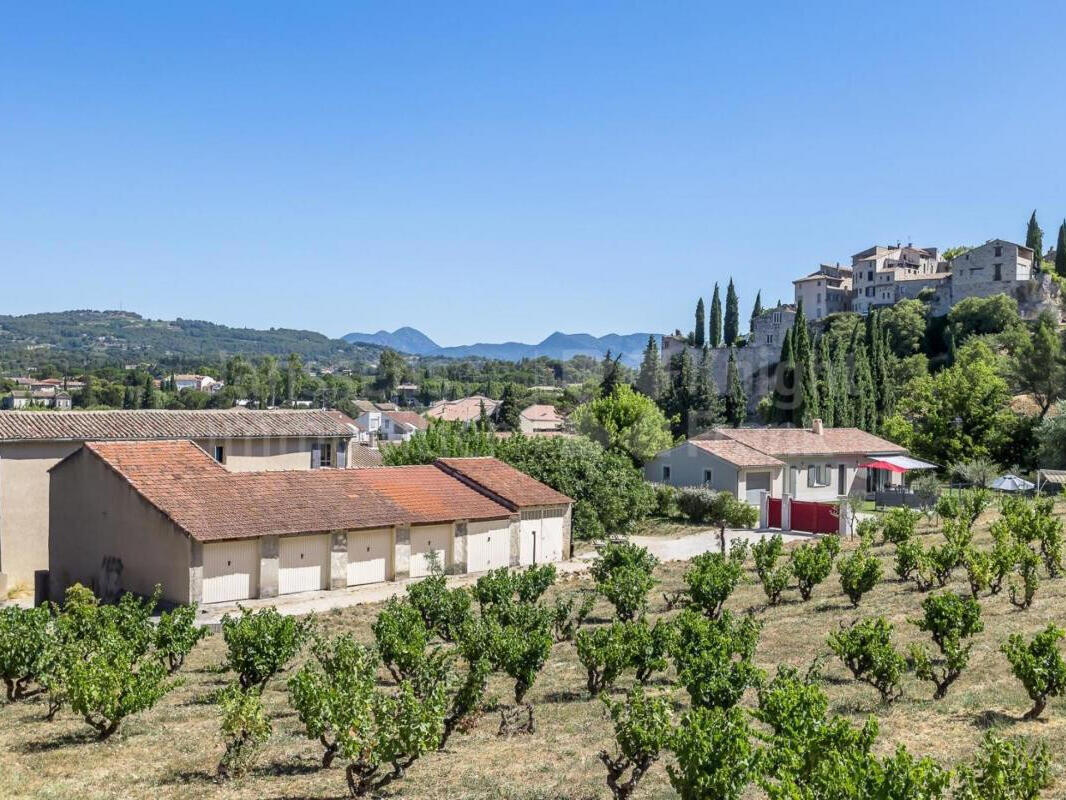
(126,516)
(825,291)
(877,270)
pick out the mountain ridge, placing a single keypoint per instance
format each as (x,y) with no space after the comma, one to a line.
(557,344)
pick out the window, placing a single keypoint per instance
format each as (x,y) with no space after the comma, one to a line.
(220,454)
(818,297)
(870,275)
(818,475)
(999,271)
(666,473)
(321,455)
(999,251)
(707,475)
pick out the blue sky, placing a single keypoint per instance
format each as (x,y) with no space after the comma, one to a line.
(500,171)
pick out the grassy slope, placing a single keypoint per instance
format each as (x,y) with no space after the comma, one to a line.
(171,752)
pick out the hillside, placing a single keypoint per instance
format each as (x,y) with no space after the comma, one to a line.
(105,337)
(562,346)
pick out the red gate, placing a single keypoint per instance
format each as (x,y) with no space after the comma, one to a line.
(773,512)
(814,517)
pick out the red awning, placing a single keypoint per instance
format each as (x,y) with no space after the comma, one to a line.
(883,465)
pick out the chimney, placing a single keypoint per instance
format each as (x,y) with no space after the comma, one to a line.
(816,427)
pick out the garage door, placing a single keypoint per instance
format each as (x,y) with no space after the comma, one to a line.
(757,482)
(529,545)
(231,571)
(488,545)
(430,538)
(542,536)
(369,556)
(303,564)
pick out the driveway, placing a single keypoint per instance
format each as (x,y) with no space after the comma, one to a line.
(665,548)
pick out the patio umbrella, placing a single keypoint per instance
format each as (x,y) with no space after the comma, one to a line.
(1012,483)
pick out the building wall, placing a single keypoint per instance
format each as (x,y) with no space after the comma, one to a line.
(795,478)
(687,464)
(24,490)
(106,536)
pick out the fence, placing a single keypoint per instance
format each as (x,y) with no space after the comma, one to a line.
(800,515)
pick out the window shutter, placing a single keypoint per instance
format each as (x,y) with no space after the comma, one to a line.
(316,456)
(342,455)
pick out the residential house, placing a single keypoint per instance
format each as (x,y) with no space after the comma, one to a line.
(815,463)
(407,394)
(996,267)
(127,516)
(825,291)
(465,409)
(540,418)
(399,426)
(32,442)
(36,398)
(877,270)
(200,383)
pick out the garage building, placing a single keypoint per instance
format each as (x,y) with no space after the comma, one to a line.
(126,516)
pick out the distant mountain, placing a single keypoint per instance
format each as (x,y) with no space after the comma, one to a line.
(559,345)
(118,337)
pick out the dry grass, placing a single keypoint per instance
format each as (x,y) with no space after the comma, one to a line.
(172,751)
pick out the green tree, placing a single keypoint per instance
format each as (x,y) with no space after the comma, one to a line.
(784,395)
(905,324)
(1036,365)
(390,370)
(625,421)
(706,402)
(731,325)
(974,316)
(509,410)
(700,335)
(715,333)
(612,373)
(756,311)
(650,377)
(1034,239)
(681,401)
(736,401)
(1060,251)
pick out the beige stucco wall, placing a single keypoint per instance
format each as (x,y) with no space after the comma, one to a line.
(24,506)
(24,490)
(855,478)
(97,515)
(687,463)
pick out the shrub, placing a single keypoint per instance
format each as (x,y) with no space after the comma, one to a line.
(1002,557)
(899,524)
(713,657)
(626,588)
(715,756)
(978,566)
(443,610)
(909,556)
(1023,588)
(260,644)
(666,501)
(1004,770)
(245,730)
(948,507)
(401,638)
(568,616)
(1038,665)
(604,653)
(494,588)
(648,647)
(973,503)
(25,648)
(520,649)
(867,528)
(466,693)
(176,635)
(774,579)
(642,730)
(710,580)
(959,536)
(949,618)
(866,649)
(695,503)
(534,581)
(939,564)
(812,564)
(859,573)
(617,555)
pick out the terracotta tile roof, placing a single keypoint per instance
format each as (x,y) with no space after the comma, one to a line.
(804,442)
(363,456)
(465,409)
(131,425)
(736,453)
(416,421)
(504,481)
(542,413)
(210,503)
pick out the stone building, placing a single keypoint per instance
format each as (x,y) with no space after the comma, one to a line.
(825,291)
(877,270)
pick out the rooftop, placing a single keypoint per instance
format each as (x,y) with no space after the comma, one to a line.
(151,424)
(805,442)
(411,418)
(736,453)
(210,503)
(504,481)
(465,409)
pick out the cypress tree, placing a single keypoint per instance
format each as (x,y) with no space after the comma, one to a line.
(842,388)
(784,399)
(681,392)
(826,383)
(700,337)
(150,396)
(611,374)
(756,312)
(716,318)
(1034,239)
(862,379)
(1060,251)
(732,315)
(806,407)
(736,401)
(649,380)
(706,403)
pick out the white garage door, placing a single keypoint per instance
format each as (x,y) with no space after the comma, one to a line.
(542,536)
(756,482)
(231,571)
(426,539)
(303,564)
(369,556)
(529,542)
(488,545)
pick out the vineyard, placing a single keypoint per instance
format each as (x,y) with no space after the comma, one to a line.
(774,672)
